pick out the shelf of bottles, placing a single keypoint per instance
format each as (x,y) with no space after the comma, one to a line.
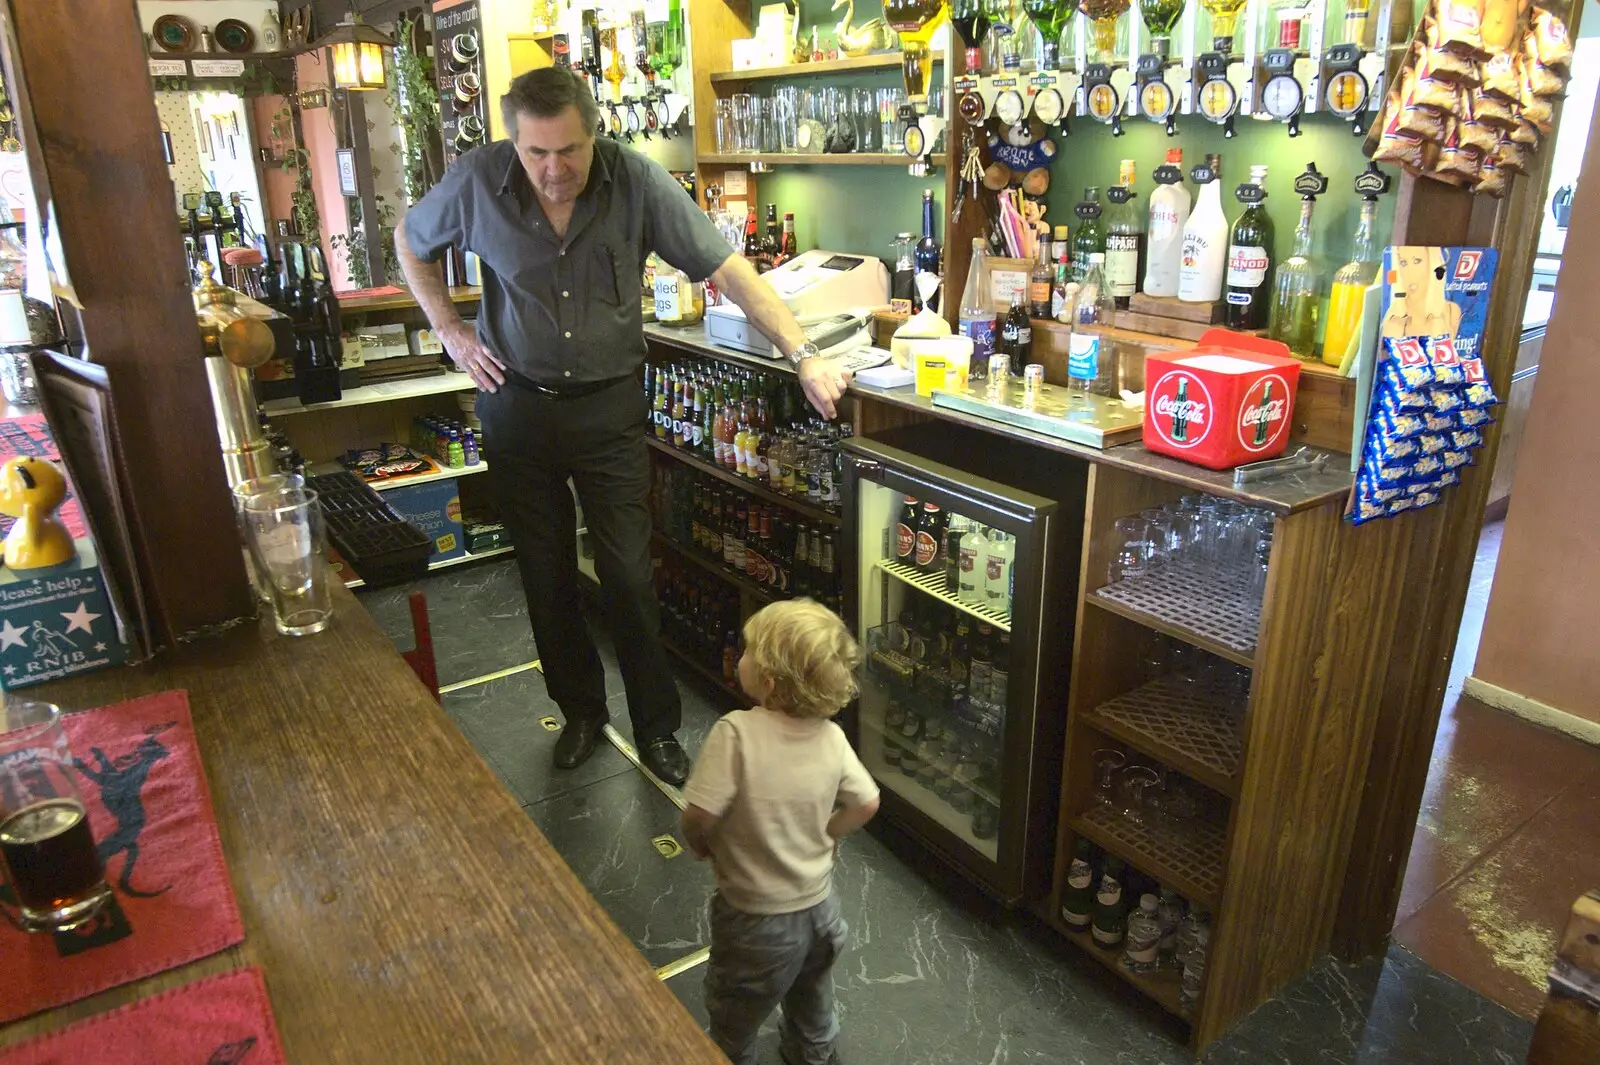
(932,713)
(1196,569)
(1138,926)
(757,547)
(700,621)
(1106,60)
(747,429)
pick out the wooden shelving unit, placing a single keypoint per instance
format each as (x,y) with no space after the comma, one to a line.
(804,508)
(1163,987)
(814,159)
(846,65)
(713,678)
(1180,724)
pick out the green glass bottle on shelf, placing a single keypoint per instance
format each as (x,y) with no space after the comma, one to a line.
(1091,237)
(1297,286)
(1077,898)
(1160,18)
(1110,915)
(1050,18)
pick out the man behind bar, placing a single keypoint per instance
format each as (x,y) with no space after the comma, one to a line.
(563,223)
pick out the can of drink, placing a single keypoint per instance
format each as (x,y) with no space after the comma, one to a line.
(1032,382)
(999,375)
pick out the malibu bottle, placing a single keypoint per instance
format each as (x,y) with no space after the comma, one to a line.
(1249,261)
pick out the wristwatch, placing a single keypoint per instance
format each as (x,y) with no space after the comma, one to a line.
(805,351)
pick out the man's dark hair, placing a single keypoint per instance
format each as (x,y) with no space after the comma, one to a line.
(546,93)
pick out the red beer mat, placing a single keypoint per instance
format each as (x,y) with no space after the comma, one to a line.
(223,1020)
(140,777)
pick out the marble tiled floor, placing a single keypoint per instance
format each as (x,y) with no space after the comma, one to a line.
(934,974)
(1506,838)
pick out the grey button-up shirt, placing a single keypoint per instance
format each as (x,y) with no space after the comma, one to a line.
(565,311)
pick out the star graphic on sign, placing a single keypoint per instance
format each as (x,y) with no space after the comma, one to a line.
(10,670)
(11,636)
(101,646)
(81,618)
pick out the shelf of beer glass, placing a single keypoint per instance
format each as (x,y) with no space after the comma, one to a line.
(802,507)
(1164,986)
(843,65)
(716,568)
(710,675)
(816,159)
(1215,610)
(930,800)
(934,584)
(1186,724)
(1185,854)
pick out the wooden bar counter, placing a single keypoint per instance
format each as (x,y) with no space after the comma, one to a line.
(402,905)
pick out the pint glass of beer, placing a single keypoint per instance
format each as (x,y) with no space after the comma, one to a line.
(47,854)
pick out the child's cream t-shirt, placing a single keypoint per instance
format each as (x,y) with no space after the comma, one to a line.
(775,781)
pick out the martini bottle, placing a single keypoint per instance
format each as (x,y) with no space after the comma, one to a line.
(1249,256)
(1004,55)
(1224,13)
(1091,238)
(1124,238)
(1050,18)
(971,23)
(1160,17)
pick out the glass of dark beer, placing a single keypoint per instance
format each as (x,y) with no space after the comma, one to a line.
(47,853)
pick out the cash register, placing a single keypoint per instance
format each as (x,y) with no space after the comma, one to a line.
(831,294)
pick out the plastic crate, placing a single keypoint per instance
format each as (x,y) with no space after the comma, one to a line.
(381,546)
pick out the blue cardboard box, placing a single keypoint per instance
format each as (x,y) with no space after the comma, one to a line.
(435,508)
(56,621)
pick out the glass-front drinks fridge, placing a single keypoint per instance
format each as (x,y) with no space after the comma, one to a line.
(960,588)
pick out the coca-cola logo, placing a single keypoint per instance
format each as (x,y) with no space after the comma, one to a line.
(1180,407)
(1264,416)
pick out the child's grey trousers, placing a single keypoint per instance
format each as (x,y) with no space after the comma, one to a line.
(761,960)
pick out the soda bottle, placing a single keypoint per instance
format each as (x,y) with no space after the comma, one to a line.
(1016,335)
(905,533)
(977,320)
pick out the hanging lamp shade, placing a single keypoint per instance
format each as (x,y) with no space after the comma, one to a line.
(357,50)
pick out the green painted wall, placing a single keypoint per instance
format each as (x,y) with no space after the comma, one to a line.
(852,208)
(1091,154)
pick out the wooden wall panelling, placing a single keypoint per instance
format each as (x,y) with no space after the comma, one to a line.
(1438,550)
(98,153)
(712,24)
(974,220)
(1312,715)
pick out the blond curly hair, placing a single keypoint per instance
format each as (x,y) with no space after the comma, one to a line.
(804,649)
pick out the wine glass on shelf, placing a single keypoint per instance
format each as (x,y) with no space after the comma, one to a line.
(1107,762)
(1140,786)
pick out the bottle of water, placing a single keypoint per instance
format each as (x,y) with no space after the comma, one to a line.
(1144,936)
(1086,350)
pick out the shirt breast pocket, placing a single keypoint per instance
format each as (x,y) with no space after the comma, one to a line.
(606,277)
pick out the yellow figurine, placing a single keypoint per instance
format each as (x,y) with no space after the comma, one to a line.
(31,490)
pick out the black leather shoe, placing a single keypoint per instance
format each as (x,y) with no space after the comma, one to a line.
(666,760)
(577,742)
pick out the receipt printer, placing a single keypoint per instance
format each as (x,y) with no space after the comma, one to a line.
(814,285)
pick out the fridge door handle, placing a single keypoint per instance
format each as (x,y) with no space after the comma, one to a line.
(865,465)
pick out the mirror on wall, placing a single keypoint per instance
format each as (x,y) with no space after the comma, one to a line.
(208,141)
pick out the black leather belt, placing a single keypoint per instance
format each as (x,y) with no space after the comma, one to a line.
(564,389)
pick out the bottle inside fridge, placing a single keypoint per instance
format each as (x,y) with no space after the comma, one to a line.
(964,653)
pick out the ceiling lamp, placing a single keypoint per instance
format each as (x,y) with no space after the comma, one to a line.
(357,51)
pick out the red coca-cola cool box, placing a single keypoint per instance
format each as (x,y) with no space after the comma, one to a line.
(1224,402)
